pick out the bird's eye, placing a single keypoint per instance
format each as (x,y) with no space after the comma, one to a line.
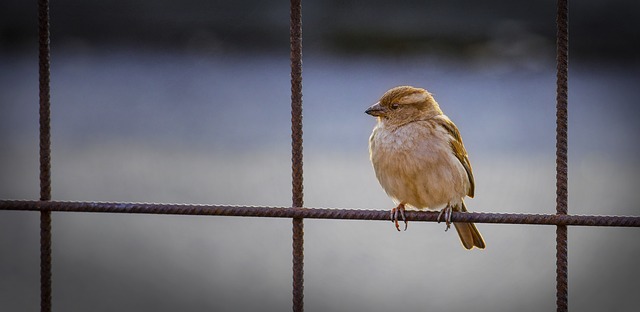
(394,106)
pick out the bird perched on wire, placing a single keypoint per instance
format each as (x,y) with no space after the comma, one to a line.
(419,159)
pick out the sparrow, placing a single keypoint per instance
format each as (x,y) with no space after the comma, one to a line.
(419,159)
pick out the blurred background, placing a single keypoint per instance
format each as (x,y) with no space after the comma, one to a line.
(188,102)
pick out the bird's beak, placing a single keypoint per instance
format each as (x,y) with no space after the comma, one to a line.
(376,110)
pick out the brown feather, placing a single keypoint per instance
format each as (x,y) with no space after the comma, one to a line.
(469,235)
(457,147)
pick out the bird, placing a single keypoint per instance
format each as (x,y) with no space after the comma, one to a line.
(420,160)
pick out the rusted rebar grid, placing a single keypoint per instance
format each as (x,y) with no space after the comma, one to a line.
(562,59)
(295,34)
(561,219)
(316,213)
(45,154)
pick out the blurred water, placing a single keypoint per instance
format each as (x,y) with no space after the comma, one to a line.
(158,126)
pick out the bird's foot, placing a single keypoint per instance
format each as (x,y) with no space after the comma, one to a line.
(394,216)
(446,211)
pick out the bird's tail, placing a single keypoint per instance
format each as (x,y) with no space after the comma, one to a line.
(469,235)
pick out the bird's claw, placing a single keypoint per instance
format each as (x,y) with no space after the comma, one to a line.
(446,211)
(394,216)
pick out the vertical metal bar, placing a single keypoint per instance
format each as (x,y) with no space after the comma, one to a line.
(45,155)
(298,265)
(45,261)
(561,153)
(296,155)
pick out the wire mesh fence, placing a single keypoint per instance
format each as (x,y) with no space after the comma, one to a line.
(298,212)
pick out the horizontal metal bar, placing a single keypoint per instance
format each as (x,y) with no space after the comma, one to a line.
(315,213)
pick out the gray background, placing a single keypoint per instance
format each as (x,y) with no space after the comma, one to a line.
(188,102)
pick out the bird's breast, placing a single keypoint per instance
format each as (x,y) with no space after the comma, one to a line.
(415,165)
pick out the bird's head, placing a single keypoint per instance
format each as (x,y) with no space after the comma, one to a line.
(404,104)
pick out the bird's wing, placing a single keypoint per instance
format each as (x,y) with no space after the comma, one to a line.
(458,149)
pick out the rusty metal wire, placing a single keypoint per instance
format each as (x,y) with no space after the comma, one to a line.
(45,107)
(45,260)
(561,108)
(45,153)
(317,213)
(295,33)
(298,264)
(562,58)
(296,101)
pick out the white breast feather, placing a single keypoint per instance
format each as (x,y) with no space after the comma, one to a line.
(416,166)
